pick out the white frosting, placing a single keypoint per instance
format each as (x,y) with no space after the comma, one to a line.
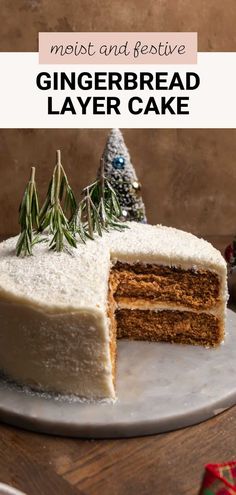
(54,329)
(159,244)
(67,282)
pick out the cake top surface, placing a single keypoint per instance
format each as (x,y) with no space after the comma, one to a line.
(77,281)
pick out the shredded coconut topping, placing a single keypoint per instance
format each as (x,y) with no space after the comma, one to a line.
(79,281)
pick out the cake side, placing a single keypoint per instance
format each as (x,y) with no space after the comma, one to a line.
(55,333)
(67,353)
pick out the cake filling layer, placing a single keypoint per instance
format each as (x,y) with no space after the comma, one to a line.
(199,289)
(169,326)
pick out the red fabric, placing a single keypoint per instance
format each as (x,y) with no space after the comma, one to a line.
(229,253)
(219,479)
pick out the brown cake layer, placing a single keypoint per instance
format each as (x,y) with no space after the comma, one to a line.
(194,289)
(182,327)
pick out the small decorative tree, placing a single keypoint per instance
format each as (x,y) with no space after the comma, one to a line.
(99,209)
(58,209)
(28,218)
(121,175)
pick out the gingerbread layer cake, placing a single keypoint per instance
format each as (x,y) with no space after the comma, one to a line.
(60,313)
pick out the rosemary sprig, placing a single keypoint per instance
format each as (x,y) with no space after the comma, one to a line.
(28,218)
(59,209)
(87,222)
(99,209)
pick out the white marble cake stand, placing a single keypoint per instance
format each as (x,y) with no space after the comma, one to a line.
(160,387)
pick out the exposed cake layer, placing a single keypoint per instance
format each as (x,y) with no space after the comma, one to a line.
(182,327)
(197,289)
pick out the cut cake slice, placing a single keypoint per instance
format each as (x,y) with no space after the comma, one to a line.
(60,312)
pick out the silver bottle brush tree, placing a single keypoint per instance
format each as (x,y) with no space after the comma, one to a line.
(122,176)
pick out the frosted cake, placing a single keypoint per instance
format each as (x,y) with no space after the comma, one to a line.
(60,313)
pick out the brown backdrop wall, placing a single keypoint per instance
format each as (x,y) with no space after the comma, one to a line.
(188,176)
(21,20)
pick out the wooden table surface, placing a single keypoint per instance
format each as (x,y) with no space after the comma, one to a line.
(166,464)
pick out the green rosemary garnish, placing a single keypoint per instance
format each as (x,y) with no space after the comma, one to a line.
(59,209)
(99,209)
(28,218)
